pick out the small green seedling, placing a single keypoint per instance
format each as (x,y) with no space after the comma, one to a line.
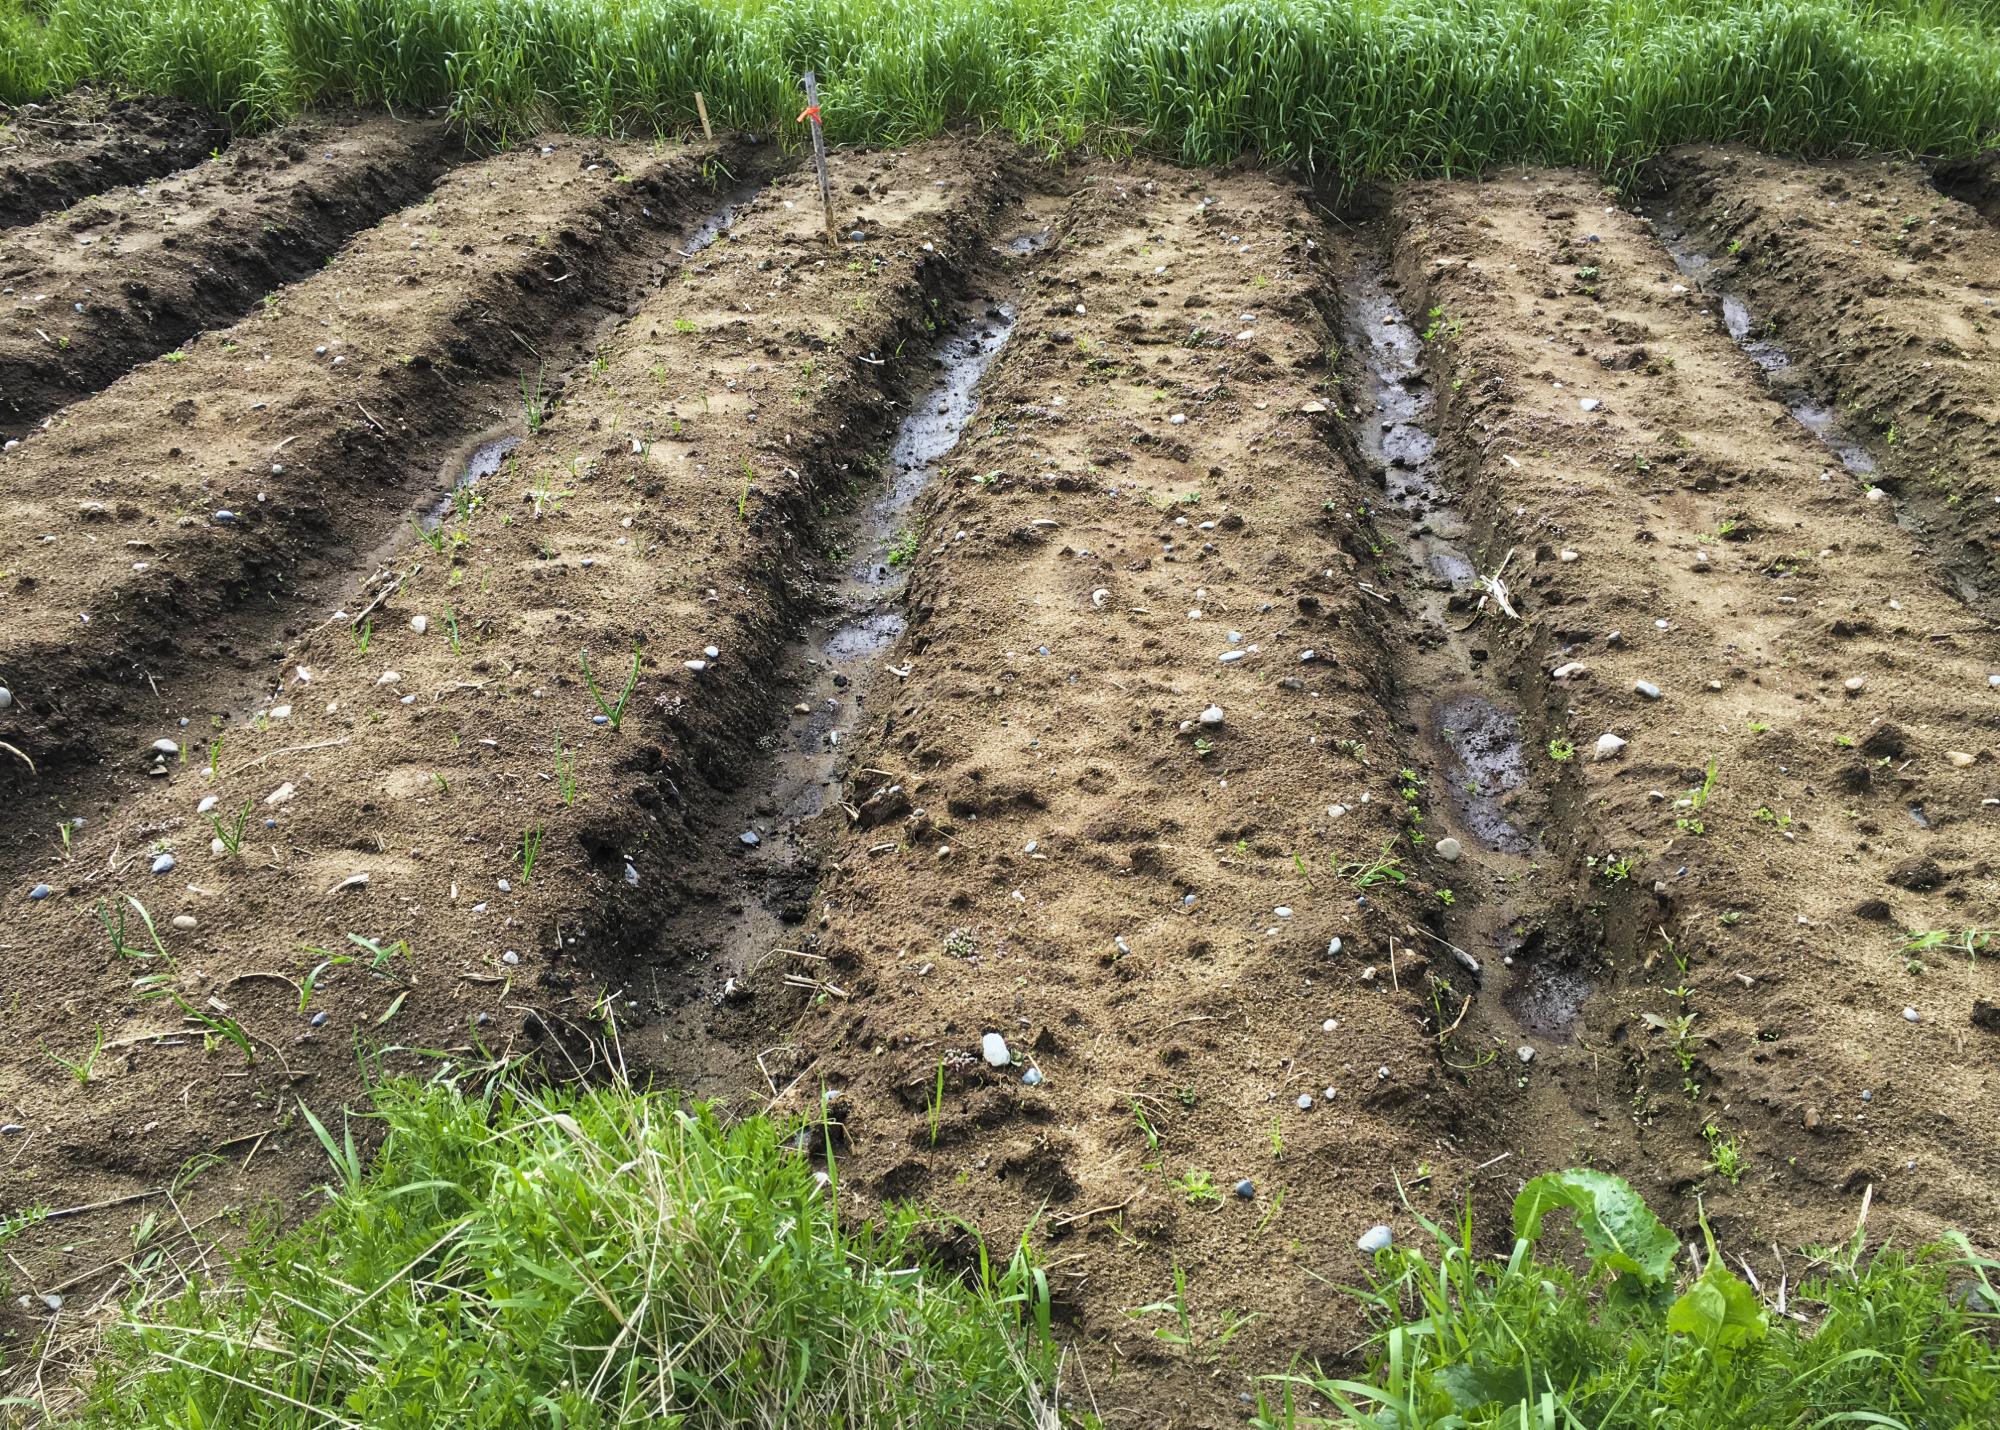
(613,713)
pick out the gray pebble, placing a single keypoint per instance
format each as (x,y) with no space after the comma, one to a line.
(163,864)
(318,1020)
(225,516)
(750,838)
(1525,1053)
(1032,1077)
(39,892)
(1246,1189)
(1448,849)
(6,698)
(1646,690)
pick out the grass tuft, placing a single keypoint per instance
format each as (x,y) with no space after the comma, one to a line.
(584,1259)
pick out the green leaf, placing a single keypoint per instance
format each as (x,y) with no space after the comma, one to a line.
(1719,1310)
(1618,1229)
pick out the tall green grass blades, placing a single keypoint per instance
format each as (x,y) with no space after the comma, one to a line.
(599,1259)
(1363,90)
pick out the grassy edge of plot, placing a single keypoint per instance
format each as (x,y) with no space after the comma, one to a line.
(608,1257)
(583,1258)
(1355,89)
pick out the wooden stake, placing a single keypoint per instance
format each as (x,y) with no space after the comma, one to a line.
(701,108)
(819,153)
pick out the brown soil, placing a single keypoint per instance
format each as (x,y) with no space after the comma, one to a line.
(845,829)
(1884,296)
(1802,649)
(1972,181)
(319,424)
(422,761)
(54,154)
(129,273)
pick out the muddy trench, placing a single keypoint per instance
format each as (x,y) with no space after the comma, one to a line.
(1535,952)
(1851,444)
(763,834)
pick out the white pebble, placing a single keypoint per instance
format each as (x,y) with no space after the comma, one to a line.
(1376,1238)
(994,1048)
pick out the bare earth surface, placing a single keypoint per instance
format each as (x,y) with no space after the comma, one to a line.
(1159,719)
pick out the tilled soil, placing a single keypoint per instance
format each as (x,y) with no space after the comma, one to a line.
(209,509)
(1876,301)
(54,154)
(451,793)
(1792,639)
(128,273)
(1105,685)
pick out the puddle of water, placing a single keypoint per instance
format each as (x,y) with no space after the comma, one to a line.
(721,221)
(1487,763)
(1769,354)
(1547,998)
(930,431)
(1023,244)
(1397,441)
(485,460)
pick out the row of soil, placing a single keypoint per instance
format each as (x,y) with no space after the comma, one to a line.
(168,539)
(1213,645)
(1763,712)
(439,780)
(53,154)
(128,273)
(1096,945)
(1869,300)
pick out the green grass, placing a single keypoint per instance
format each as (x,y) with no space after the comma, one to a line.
(1358,90)
(1894,1339)
(582,1260)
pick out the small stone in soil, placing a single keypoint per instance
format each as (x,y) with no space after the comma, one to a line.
(1305,1102)
(1212,715)
(163,864)
(1376,1238)
(1032,1077)
(1608,746)
(994,1049)
(39,892)
(318,1019)
(751,839)
(1246,1189)
(1448,849)
(1646,690)
(1525,1053)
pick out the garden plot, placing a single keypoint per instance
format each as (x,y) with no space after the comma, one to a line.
(1873,302)
(167,538)
(56,153)
(129,273)
(443,833)
(1119,925)
(1761,706)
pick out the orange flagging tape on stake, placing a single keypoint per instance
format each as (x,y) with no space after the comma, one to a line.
(811,111)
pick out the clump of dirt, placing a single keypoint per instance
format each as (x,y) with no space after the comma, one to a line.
(53,154)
